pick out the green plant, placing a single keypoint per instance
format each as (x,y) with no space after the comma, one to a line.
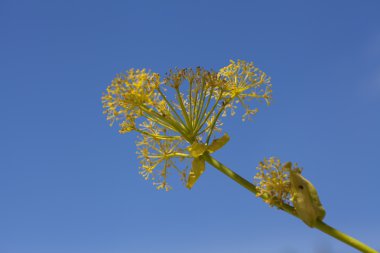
(188,127)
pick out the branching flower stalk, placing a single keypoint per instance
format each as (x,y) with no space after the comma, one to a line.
(179,123)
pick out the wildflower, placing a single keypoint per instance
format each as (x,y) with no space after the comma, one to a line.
(183,110)
(280,184)
(179,129)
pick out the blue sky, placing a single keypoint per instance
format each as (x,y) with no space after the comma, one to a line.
(70,183)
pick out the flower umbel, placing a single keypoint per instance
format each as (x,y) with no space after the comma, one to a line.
(282,184)
(183,109)
(127,95)
(273,181)
(154,152)
(178,121)
(246,82)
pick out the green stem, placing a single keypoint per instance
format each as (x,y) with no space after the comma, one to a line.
(202,111)
(289,209)
(173,125)
(205,118)
(216,119)
(171,107)
(344,237)
(183,109)
(159,136)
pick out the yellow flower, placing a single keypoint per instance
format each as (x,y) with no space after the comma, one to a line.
(183,109)
(126,94)
(159,155)
(273,181)
(245,82)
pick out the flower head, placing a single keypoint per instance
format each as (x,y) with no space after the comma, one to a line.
(126,96)
(182,110)
(246,82)
(158,155)
(273,181)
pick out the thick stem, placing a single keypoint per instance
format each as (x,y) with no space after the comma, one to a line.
(289,209)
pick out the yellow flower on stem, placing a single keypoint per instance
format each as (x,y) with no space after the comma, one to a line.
(180,111)
(179,124)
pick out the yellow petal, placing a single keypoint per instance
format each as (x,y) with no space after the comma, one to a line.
(218,143)
(197,149)
(197,168)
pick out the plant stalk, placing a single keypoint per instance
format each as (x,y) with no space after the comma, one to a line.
(320,225)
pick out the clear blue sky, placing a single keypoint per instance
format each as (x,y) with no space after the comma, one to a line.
(70,183)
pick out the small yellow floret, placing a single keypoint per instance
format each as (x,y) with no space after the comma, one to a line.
(273,181)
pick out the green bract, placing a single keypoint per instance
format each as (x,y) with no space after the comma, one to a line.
(306,200)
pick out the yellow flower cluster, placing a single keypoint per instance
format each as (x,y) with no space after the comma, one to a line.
(171,121)
(273,181)
(153,151)
(246,82)
(127,95)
